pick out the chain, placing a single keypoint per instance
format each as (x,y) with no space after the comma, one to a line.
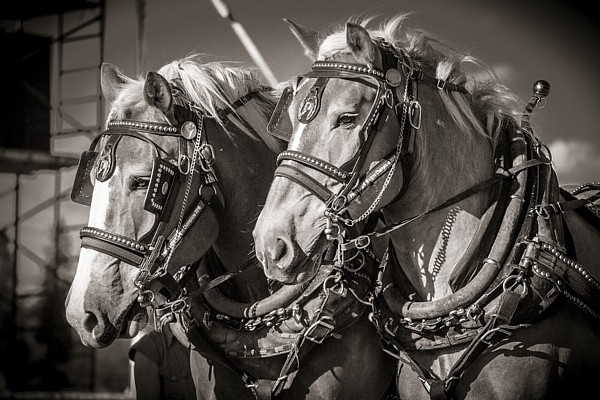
(188,186)
(390,174)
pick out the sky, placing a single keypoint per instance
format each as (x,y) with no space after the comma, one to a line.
(522,41)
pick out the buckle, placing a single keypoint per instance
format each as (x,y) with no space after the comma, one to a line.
(313,334)
(440,84)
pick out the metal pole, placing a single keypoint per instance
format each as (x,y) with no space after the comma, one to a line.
(225,12)
(140,62)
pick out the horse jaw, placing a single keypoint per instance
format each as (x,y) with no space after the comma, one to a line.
(100,297)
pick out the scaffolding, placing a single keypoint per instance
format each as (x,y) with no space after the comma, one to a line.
(76,115)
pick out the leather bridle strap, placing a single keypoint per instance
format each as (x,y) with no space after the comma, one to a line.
(242,101)
(120,247)
(324,167)
(306,181)
(504,174)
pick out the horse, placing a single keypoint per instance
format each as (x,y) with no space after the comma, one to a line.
(174,185)
(489,286)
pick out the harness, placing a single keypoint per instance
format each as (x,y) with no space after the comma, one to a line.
(289,322)
(152,252)
(527,264)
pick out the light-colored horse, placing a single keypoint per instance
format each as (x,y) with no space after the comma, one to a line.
(469,297)
(205,124)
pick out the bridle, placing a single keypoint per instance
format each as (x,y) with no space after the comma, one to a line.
(152,252)
(396,99)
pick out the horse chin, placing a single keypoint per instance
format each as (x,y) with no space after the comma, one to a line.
(132,321)
(304,270)
(135,320)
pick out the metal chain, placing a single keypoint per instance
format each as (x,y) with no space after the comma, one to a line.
(390,174)
(188,186)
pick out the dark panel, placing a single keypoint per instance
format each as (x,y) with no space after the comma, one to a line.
(25,97)
(22,10)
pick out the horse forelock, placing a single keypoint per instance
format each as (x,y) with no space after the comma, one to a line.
(489,103)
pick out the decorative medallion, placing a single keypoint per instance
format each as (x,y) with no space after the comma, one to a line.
(104,166)
(310,106)
(393,77)
(189,130)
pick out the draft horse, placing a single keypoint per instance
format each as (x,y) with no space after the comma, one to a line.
(489,285)
(175,183)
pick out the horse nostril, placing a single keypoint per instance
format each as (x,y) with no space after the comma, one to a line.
(90,322)
(280,249)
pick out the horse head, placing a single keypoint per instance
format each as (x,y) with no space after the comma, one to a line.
(330,124)
(162,185)
(360,141)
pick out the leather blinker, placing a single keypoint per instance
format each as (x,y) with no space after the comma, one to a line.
(161,182)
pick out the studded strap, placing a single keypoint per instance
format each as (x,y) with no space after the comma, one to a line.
(322,166)
(126,250)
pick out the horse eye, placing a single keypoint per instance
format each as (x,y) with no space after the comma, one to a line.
(140,182)
(347,120)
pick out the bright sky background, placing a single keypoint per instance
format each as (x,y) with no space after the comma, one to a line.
(522,40)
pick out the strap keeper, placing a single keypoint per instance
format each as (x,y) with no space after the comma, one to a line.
(555,208)
(320,330)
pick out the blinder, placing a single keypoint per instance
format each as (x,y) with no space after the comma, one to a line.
(161,183)
(83,187)
(280,124)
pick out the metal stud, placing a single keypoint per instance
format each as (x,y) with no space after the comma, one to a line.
(189,130)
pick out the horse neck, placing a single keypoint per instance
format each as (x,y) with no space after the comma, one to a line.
(245,168)
(447,161)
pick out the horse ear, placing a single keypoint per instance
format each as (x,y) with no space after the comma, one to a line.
(111,80)
(157,92)
(359,41)
(308,38)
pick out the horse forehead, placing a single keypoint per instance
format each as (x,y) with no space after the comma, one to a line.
(133,152)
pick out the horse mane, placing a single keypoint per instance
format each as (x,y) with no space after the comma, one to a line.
(490,102)
(213,87)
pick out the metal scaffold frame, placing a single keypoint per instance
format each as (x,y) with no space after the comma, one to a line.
(65,123)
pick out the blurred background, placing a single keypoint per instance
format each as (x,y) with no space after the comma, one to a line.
(52,107)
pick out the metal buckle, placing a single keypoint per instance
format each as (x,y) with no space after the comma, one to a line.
(362,242)
(414,110)
(182,161)
(440,84)
(320,323)
(207,155)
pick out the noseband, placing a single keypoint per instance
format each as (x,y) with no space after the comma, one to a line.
(151,253)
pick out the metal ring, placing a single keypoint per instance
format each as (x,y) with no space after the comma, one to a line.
(180,162)
(542,103)
(362,242)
